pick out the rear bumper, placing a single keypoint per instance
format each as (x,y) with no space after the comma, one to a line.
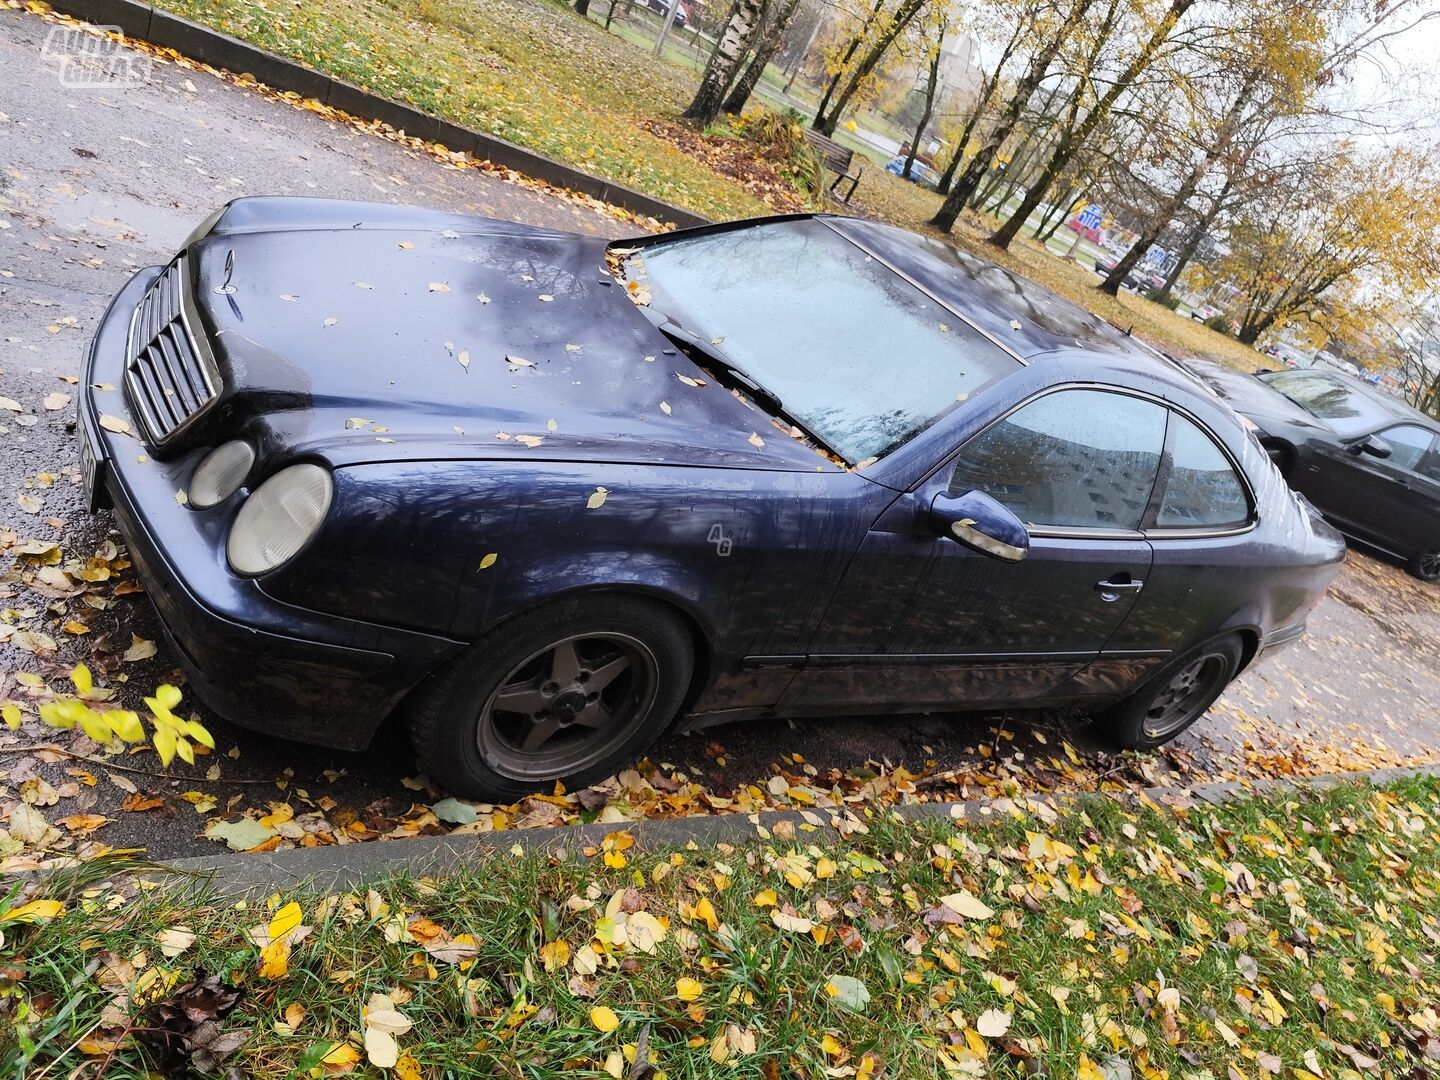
(258,662)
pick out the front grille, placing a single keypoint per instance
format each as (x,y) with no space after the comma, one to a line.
(169,375)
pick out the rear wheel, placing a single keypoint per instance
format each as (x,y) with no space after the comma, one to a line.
(568,693)
(1426,565)
(1171,701)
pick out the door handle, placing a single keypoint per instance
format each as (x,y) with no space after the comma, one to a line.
(1110,591)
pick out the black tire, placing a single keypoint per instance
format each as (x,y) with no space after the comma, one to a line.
(1425,565)
(1166,704)
(472,743)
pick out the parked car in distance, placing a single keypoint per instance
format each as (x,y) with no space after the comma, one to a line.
(1141,278)
(1205,312)
(543,496)
(1335,363)
(1368,461)
(662,7)
(920,173)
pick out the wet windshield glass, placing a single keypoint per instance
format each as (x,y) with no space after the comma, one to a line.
(857,355)
(1344,408)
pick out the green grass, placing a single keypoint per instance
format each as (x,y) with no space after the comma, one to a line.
(1279,933)
(530,71)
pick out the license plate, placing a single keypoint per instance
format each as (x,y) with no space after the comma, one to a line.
(92,465)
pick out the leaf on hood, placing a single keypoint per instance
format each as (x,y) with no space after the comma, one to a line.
(755,440)
(597,498)
(439,286)
(489,560)
(115,424)
(518,361)
(464,359)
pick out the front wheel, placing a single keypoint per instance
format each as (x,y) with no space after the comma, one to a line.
(1426,565)
(1171,701)
(569,692)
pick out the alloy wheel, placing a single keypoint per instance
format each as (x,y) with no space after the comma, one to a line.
(567,706)
(1428,565)
(1190,689)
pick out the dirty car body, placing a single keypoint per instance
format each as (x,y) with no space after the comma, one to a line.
(478,432)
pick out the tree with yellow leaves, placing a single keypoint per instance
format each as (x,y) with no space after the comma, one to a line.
(1364,224)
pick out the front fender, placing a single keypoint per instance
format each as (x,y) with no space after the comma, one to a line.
(749,556)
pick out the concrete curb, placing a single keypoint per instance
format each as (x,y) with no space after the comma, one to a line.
(341,868)
(145,22)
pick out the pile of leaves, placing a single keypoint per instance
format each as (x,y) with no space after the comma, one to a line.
(1290,936)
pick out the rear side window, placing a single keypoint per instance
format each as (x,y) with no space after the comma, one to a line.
(1073,459)
(1202,490)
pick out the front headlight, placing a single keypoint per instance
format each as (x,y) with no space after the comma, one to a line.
(220,473)
(278,517)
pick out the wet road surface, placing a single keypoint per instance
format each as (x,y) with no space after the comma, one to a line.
(98,182)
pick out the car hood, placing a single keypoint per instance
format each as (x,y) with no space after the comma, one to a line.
(374,333)
(1252,399)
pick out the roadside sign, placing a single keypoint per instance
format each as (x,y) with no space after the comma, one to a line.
(1091,216)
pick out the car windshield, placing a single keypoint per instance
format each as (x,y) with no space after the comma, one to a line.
(1348,410)
(857,355)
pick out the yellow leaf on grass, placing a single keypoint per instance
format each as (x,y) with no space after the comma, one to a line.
(275,959)
(705,912)
(175,939)
(407,1068)
(604,1018)
(285,920)
(555,954)
(765,898)
(687,989)
(342,1058)
(993,1023)
(34,911)
(381,1048)
(967,904)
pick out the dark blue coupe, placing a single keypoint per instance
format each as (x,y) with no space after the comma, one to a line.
(543,497)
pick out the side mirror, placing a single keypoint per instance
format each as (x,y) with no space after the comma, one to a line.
(1372,445)
(978,521)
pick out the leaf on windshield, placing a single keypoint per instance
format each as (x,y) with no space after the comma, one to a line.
(482,298)
(531,441)
(518,361)
(439,286)
(665,407)
(688,381)
(464,359)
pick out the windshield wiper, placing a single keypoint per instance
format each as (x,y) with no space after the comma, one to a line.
(715,358)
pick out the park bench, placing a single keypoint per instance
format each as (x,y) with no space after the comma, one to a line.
(837,159)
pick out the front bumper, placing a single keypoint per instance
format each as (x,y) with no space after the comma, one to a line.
(258,662)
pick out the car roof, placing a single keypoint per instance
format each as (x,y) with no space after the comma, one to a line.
(1392,406)
(1025,318)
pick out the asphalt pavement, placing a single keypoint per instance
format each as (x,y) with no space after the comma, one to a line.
(99,181)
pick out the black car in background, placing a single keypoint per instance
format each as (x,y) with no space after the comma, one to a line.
(1369,462)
